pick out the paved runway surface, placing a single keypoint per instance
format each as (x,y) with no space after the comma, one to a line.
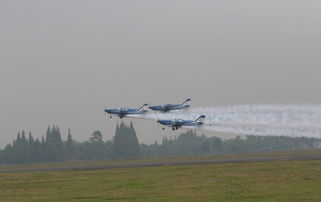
(156,164)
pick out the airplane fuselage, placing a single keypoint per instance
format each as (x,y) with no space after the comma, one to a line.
(168,107)
(179,123)
(123,112)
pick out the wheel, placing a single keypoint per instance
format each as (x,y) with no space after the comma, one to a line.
(163,128)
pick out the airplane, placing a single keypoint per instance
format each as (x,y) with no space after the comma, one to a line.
(169,107)
(124,111)
(179,123)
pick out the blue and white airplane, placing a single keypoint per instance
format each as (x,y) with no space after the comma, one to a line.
(169,107)
(123,111)
(179,123)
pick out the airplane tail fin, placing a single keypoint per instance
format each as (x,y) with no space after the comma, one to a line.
(143,107)
(200,119)
(187,101)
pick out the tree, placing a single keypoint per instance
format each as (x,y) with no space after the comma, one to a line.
(70,147)
(96,137)
(53,145)
(125,141)
(96,145)
(134,139)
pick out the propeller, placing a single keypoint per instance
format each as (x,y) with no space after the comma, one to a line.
(106,111)
(160,125)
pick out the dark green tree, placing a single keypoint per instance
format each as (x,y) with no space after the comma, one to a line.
(96,145)
(125,141)
(70,148)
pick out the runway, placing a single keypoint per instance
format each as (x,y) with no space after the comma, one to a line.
(166,163)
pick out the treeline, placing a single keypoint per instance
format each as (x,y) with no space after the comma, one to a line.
(51,148)
(191,144)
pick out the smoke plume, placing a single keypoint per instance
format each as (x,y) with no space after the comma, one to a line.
(274,120)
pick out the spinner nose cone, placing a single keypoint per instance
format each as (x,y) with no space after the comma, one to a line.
(107,111)
(152,107)
(164,122)
(160,121)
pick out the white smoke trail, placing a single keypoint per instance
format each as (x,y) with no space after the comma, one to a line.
(275,120)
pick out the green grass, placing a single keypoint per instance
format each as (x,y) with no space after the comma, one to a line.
(266,181)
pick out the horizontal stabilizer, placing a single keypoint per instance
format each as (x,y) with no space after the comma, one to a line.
(200,119)
(187,101)
(143,107)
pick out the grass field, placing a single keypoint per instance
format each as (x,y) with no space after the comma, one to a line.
(266,181)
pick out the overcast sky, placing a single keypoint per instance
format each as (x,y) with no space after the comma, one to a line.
(62,62)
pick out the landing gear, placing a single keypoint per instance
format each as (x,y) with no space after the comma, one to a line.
(110,117)
(173,128)
(163,128)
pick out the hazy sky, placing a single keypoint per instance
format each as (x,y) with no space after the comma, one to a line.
(62,62)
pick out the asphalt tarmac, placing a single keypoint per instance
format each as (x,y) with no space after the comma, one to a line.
(157,164)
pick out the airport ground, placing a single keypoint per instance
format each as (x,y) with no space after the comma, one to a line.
(283,176)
